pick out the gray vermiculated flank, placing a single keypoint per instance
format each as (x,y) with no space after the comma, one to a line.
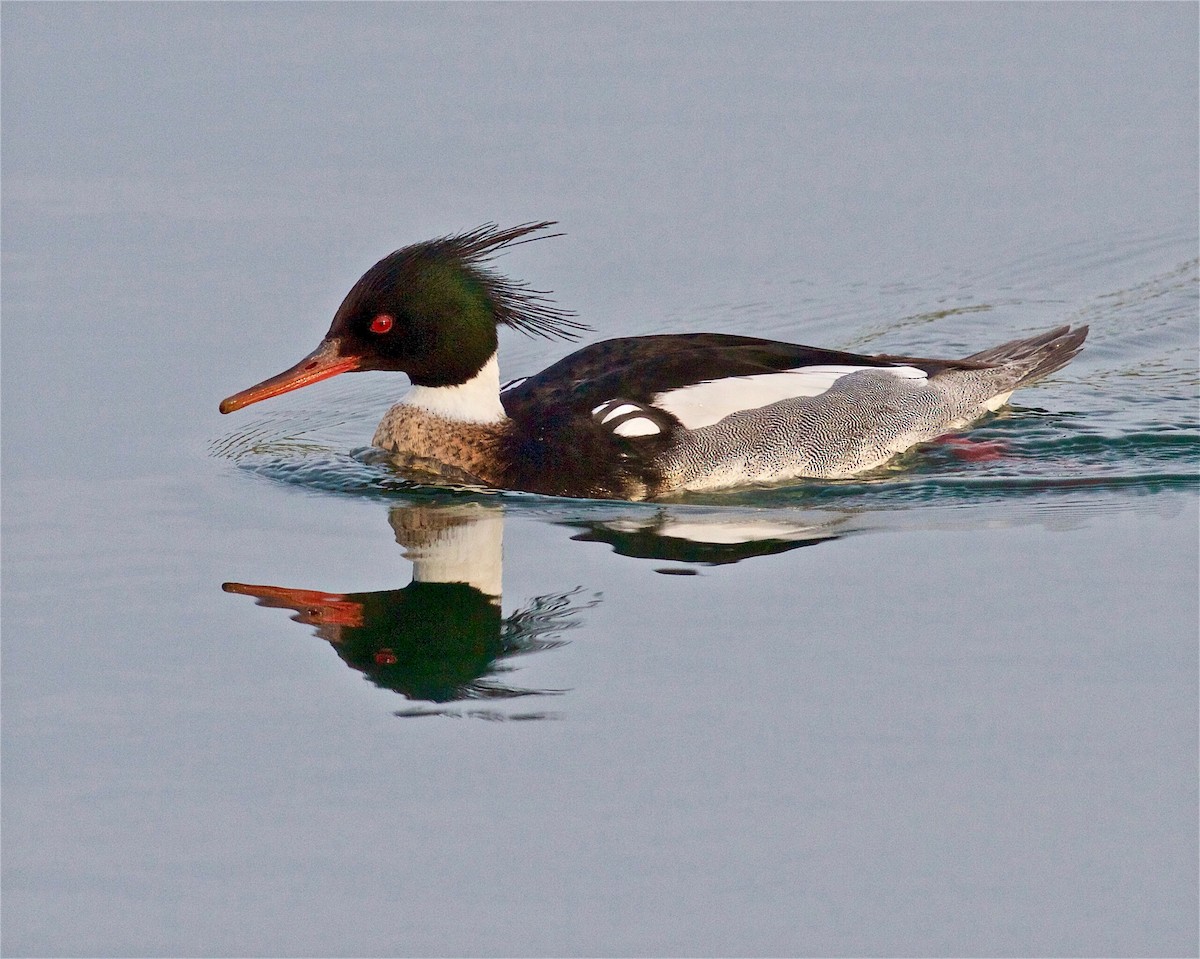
(863,420)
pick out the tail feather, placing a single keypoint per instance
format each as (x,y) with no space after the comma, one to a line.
(1037,356)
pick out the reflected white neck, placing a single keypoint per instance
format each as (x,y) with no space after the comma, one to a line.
(469,551)
(475,401)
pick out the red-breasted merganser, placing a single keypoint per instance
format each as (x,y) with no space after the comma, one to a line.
(632,418)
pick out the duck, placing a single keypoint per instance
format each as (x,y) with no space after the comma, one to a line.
(632,418)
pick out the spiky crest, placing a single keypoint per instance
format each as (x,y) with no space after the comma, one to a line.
(515,304)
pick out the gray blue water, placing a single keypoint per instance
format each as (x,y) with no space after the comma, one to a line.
(262,696)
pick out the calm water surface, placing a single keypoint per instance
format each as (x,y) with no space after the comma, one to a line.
(263,697)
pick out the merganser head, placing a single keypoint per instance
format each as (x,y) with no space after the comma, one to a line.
(429,310)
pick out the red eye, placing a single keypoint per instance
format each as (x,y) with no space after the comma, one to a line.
(382,323)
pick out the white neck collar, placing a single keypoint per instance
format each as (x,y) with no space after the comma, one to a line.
(475,401)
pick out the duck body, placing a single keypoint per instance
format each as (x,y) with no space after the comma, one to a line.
(632,418)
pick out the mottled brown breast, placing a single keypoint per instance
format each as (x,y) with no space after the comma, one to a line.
(443,448)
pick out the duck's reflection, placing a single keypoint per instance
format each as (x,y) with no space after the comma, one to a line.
(443,637)
(708,539)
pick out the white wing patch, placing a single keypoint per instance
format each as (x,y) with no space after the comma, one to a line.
(626,418)
(609,411)
(638,426)
(703,404)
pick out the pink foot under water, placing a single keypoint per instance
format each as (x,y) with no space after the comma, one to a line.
(974,450)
